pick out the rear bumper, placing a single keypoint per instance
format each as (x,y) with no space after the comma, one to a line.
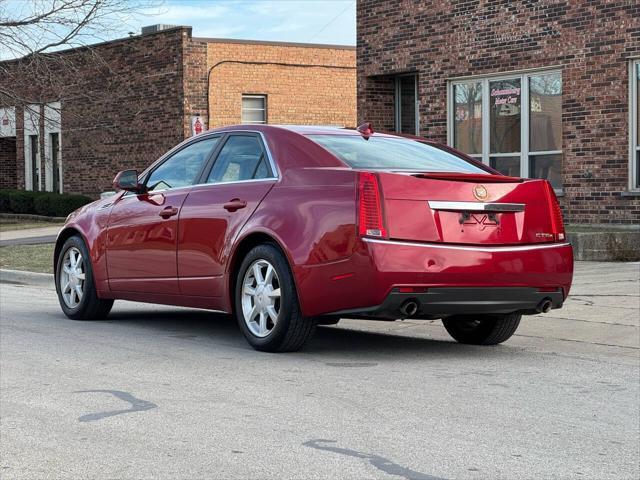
(440,302)
(457,278)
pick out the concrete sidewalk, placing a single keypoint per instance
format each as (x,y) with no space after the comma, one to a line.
(30,236)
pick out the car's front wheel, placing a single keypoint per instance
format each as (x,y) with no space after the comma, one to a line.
(266,303)
(74,283)
(482,329)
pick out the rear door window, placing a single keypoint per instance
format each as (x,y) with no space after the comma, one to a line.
(241,158)
(388,153)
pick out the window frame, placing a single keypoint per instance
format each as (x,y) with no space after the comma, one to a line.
(273,172)
(525,112)
(264,98)
(397,107)
(634,121)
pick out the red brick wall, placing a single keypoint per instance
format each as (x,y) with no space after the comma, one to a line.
(304,84)
(123,110)
(590,41)
(124,103)
(8,163)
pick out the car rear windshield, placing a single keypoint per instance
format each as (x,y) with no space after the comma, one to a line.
(388,153)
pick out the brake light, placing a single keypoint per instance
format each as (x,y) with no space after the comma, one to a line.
(370,222)
(557,225)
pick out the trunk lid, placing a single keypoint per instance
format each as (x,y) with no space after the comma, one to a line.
(461,208)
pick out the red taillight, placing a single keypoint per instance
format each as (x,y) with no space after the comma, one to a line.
(557,225)
(370,222)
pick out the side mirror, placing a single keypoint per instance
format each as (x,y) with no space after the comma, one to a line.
(127,180)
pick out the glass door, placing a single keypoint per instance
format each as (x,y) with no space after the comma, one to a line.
(35,171)
(55,161)
(406,104)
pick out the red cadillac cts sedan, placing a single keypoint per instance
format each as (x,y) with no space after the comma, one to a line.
(291,227)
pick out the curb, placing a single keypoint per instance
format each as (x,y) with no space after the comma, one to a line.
(27,216)
(27,278)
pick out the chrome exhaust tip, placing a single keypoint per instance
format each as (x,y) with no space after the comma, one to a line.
(409,308)
(544,306)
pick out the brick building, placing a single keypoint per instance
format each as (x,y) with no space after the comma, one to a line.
(121,104)
(546,89)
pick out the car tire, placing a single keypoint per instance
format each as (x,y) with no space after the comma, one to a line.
(482,329)
(83,304)
(260,293)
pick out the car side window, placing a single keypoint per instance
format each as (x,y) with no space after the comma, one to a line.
(183,167)
(241,158)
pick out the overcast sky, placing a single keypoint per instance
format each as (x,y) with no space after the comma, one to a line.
(315,21)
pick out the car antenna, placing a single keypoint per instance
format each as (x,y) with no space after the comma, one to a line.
(366,130)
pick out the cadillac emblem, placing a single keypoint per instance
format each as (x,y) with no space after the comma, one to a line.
(480,192)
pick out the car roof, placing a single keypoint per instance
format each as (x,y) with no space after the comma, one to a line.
(299,129)
(325,130)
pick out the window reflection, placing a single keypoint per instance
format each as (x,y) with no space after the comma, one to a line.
(545,120)
(548,167)
(467,133)
(506,165)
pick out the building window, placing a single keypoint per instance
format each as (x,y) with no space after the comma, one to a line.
(34,163)
(254,109)
(406,104)
(634,109)
(513,123)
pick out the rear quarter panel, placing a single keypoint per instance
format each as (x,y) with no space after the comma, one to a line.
(312,214)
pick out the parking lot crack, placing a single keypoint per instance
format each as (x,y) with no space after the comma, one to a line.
(137,405)
(377,461)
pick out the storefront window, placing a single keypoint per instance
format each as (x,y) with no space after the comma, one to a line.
(547,166)
(545,127)
(545,117)
(513,123)
(467,133)
(504,131)
(509,165)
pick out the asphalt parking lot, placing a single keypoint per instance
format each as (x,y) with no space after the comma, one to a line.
(173,393)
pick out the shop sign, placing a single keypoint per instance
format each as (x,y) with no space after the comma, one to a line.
(506,96)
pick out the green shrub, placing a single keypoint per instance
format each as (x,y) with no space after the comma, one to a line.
(40,203)
(63,205)
(5,201)
(21,202)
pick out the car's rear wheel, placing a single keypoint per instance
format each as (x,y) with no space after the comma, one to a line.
(482,329)
(266,303)
(74,283)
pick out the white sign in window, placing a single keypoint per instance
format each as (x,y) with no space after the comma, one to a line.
(254,109)
(513,123)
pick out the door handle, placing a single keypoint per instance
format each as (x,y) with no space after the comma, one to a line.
(235,204)
(168,212)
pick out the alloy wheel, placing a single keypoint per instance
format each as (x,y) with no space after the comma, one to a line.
(261,298)
(72,277)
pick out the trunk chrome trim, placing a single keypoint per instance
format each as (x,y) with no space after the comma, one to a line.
(470,248)
(476,206)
